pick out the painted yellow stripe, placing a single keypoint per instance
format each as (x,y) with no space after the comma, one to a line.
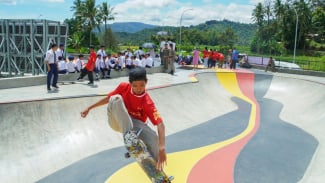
(181,163)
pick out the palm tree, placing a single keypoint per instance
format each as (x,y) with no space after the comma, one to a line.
(107,13)
(258,18)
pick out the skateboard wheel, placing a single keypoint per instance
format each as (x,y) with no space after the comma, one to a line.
(127,155)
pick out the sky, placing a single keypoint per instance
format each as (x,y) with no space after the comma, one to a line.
(155,12)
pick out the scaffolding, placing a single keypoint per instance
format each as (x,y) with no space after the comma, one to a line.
(23,44)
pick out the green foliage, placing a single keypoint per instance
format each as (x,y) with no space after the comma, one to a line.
(277,21)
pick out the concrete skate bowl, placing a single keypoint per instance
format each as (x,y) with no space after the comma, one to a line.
(228,127)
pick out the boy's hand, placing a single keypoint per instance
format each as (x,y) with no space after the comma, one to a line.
(162,159)
(84,113)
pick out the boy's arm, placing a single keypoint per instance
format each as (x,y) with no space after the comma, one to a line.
(161,146)
(101,102)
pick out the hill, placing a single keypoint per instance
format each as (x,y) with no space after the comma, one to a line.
(245,32)
(129,27)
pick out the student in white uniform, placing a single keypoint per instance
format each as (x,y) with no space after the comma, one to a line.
(97,66)
(101,51)
(71,66)
(62,65)
(79,63)
(139,52)
(52,67)
(148,61)
(129,62)
(60,51)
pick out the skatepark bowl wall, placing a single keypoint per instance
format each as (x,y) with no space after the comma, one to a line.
(247,128)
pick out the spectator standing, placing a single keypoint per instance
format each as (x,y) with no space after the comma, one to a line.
(166,54)
(172,56)
(234,58)
(97,66)
(139,52)
(101,52)
(162,47)
(206,54)
(52,66)
(128,52)
(90,66)
(196,57)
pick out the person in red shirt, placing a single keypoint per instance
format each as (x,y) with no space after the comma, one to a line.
(206,55)
(89,68)
(129,107)
(215,57)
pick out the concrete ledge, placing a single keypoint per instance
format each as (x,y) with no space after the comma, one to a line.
(293,71)
(26,81)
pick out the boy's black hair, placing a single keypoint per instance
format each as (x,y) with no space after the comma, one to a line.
(138,74)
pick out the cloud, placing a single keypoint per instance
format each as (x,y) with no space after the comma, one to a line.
(170,11)
(53,1)
(8,2)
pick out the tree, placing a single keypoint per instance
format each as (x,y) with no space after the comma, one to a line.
(107,13)
(109,40)
(258,18)
(228,38)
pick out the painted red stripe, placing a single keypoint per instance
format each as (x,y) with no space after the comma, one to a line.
(219,165)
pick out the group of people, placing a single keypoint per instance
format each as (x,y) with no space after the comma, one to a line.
(168,55)
(212,57)
(99,63)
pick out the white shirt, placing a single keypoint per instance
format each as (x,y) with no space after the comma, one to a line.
(171,42)
(97,65)
(110,62)
(59,52)
(62,65)
(50,57)
(71,66)
(79,64)
(128,61)
(121,61)
(101,53)
(149,61)
(162,45)
(138,53)
(129,54)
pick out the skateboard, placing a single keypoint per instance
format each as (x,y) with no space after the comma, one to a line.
(66,82)
(138,150)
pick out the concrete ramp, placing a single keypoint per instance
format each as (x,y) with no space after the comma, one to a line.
(48,141)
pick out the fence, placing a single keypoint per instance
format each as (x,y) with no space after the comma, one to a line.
(299,64)
(23,44)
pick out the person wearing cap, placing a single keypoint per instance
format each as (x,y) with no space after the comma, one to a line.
(128,108)
(71,66)
(62,65)
(90,66)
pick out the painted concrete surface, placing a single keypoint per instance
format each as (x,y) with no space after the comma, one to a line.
(47,141)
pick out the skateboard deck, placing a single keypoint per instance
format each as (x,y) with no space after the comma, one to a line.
(66,82)
(138,150)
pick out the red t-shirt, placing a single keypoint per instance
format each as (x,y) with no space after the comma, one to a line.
(215,56)
(91,61)
(140,107)
(206,53)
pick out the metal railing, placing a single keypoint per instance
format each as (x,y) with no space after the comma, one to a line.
(299,64)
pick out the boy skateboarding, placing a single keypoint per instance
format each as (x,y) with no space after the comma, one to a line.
(129,106)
